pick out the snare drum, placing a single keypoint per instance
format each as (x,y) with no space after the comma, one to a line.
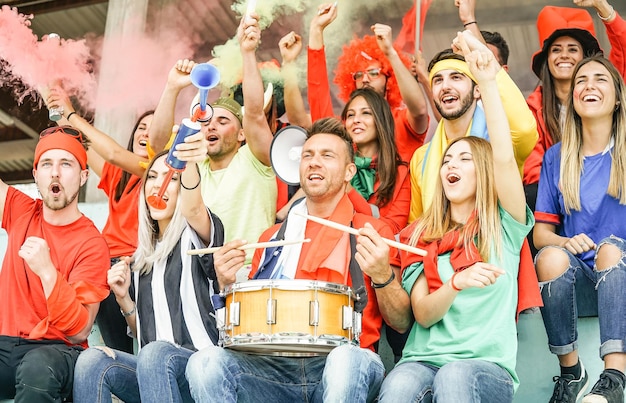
(288,317)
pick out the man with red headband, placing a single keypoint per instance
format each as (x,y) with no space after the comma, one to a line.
(52,278)
(368,62)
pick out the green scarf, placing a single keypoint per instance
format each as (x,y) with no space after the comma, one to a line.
(365,176)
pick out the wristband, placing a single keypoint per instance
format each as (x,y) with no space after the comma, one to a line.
(386,283)
(611,15)
(191,188)
(68,116)
(469,23)
(132,311)
(197,184)
(452,282)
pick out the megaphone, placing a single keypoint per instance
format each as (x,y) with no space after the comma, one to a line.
(285,153)
(204,76)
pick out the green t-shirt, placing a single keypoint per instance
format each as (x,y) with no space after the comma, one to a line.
(243,195)
(480,324)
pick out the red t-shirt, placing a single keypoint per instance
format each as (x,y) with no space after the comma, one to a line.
(77,250)
(120,230)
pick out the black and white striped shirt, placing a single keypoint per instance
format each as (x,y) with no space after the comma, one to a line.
(174,299)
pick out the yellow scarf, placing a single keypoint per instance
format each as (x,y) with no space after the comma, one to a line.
(431,164)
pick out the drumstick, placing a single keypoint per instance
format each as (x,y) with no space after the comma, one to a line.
(354,231)
(259,245)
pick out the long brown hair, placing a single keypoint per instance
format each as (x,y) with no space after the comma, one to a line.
(121,185)
(550,104)
(388,157)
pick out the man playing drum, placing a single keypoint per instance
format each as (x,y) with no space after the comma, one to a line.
(348,372)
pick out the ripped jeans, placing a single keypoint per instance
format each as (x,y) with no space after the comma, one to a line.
(604,288)
(158,371)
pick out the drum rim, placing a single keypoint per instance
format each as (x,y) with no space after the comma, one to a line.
(289,285)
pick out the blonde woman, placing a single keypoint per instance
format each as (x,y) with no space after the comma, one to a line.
(462,296)
(581,205)
(168,308)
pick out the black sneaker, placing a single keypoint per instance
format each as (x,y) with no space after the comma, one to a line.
(568,389)
(608,389)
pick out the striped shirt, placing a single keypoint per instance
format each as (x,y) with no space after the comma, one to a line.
(174,299)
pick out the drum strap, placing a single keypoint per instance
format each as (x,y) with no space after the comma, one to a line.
(358,281)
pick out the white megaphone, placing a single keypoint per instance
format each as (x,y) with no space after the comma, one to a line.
(285,153)
(204,76)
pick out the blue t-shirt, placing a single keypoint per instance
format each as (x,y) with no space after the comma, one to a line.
(601,214)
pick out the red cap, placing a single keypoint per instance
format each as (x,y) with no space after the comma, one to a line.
(555,22)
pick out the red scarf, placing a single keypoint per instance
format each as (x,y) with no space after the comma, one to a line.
(527,283)
(460,259)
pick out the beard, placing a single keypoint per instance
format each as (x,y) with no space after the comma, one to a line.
(466,103)
(57,203)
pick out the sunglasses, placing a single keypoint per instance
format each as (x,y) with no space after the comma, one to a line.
(371,73)
(62,129)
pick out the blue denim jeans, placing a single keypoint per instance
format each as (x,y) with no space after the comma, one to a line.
(604,288)
(475,381)
(347,374)
(156,374)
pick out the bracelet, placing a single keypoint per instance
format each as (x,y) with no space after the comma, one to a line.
(455,288)
(68,116)
(132,311)
(610,17)
(470,23)
(386,283)
(197,184)
(191,188)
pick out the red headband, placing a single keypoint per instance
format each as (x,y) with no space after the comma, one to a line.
(61,141)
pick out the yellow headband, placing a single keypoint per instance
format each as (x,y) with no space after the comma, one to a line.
(450,64)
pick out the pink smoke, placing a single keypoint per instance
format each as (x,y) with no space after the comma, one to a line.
(41,63)
(143,61)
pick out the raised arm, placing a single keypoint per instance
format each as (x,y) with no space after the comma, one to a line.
(194,150)
(467,15)
(103,148)
(290,47)
(318,87)
(412,95)
(521,120)
(484,66)
(163,120)
(421,73)
(615,29)
(257,130)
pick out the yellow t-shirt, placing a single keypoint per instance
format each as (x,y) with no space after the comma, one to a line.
(523,134)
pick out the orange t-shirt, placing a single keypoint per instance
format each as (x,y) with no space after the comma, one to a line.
(120,230)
